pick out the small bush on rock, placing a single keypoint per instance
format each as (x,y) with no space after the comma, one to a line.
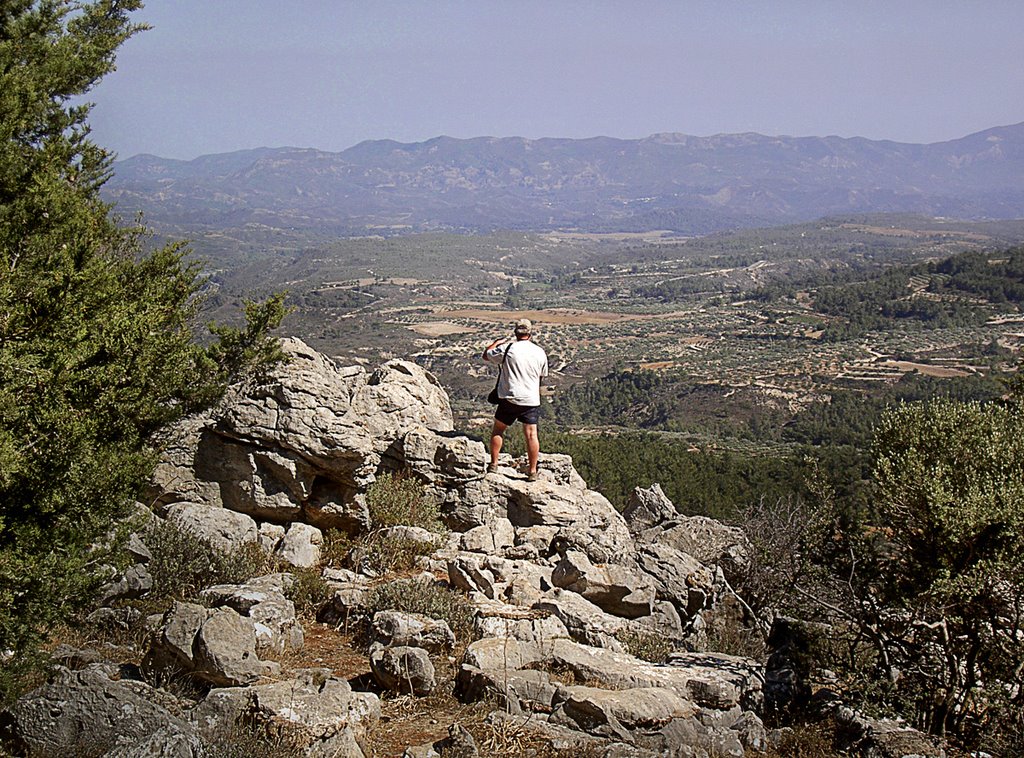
(645,645)
(308,591)
(183,564)
(400,500)
(428,598)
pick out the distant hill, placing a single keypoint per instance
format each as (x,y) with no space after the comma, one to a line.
(690,185)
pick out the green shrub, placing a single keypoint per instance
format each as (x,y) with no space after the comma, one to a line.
(308,591)
(646,645)
(183,564)
(428,598)
(381,553)
(400,500)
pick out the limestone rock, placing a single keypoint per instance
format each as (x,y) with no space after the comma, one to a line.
(88,710)
(711,680)
(349,593)
(611,587)
(411,629)
(496,619)
(304,445)
(263,601)
(300,546)
(403,669)
(171,645)
(648,507)
(614,713)
(224,650)
(271,536)
(316,712)
(322,711)
(223,529)
(679,577)
(585,622)
(490,538)
(440,458)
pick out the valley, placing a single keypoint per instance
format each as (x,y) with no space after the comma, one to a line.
(732,314)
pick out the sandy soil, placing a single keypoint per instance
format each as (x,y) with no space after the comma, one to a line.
(440,328)
(942,372)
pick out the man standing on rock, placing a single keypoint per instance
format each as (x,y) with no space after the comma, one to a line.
(523,365)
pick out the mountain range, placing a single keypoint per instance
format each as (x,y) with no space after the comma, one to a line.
(677,182)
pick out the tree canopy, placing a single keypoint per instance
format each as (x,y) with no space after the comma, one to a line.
(97,339)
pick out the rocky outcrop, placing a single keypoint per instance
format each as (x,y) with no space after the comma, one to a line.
(653,520)
(559,580)
(301,447)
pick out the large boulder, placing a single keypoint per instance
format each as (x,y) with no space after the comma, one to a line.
(614,713)
(303,445)
(92,711)
(714,681)
(648,507)
(217,646)
(263,601)
(653,520)
(611,587)
(222,528)
(318,714)
(679,578)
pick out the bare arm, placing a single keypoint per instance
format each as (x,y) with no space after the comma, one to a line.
(493,345)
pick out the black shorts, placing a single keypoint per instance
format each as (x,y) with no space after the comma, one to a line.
(508,413)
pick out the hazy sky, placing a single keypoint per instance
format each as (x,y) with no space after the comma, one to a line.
(220,75)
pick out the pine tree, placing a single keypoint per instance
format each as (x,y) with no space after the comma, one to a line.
(97,349)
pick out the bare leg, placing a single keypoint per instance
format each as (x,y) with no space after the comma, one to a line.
(532,446)
(496,439)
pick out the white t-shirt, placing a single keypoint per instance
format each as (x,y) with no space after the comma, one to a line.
(524,366)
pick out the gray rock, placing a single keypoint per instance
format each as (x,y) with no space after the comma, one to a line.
(302,446)
(648,508)
(349,593)
(679,578)
(88,711)
(271,536)
(751,731)
(318,707)
(403,669)
(489,538)
(585,622)
(615,713)
(167,742)
(263,601)
(224,650)
(440,458)
(411,629)
(172,644)
(416,534)
(496,619)
(884,738)
(319,714)
(300,546)
(220,527)
(710,680)
(612,588)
